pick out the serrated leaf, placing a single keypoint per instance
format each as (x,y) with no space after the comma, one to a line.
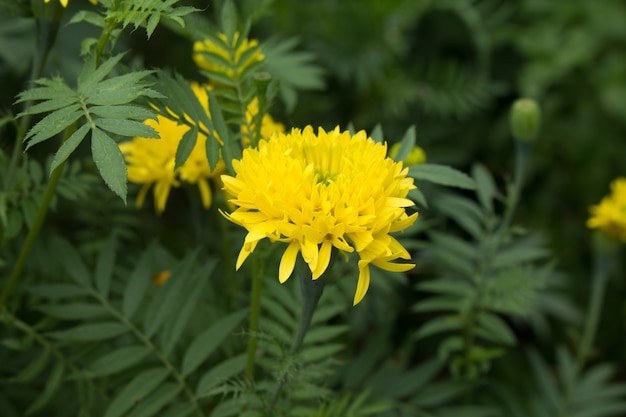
(91,332)
(436,304)
(93,74)
(127,128)
(442,175)
(137,284)
(406,145)
(122,111)
(52,89)
(104,266)
(52,104)
(185,146)
(324,334)
(220,373)
(118,90)
(69,146)
(110,162)
(153,21)
(209,340)
(136,390)
(53,124)
(52,385)
(74,311)
(117,360)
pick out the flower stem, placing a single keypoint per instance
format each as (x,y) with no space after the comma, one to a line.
(603,260)
(311,293)
(42,211)
(255,309)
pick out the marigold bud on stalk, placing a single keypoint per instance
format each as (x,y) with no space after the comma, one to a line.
(525,119)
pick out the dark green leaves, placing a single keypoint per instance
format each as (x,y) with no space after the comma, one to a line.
(101,104)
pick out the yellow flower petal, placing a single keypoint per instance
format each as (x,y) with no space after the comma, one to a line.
(363,284)
(288,261)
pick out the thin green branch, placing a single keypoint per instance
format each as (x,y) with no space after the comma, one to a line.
(255,311)
(178,377)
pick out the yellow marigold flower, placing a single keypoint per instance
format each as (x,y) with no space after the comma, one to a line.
(268,125)
(64,2)
(160,278)
(610,215)
(201,49)
(316,192)
(151,161)
(417,155)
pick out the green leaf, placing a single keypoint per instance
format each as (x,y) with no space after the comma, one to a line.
(406,145)
(57,290)
(519,255)
(229,20)
(128,111)
(195,289)
(154,402)
(72,263)
(117,360)
(436,304)
(53,124)
(135,391)
(110,162)
(493,328)
(93,74)
(209,340)
(439,325)
(92,332)
(223,133)
(220,373)
(438,393)
(74,311)
(34,367)
(69,146)
(53,104)
(442,175)
(127,128)
(168,300)
(185,146)
(118,90)
(324,333)
(137,284)
(52,385)
(104,265)
(485,186)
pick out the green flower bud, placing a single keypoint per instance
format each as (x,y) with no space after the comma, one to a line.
(525,119)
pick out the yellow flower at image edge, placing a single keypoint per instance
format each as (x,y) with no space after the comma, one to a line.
(321,191)
(64,2)
(610,215)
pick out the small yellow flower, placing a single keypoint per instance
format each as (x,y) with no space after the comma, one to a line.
(64,2)
(151,161)
(201,49)
(610,215)
(417,156)
(160,278)
(317,192)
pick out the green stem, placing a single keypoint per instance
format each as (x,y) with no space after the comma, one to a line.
(255,311)
(311,294)
(180,379)
(603,260)
(10,319)
(42,211)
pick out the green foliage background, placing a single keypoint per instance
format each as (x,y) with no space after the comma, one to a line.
(489,323)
